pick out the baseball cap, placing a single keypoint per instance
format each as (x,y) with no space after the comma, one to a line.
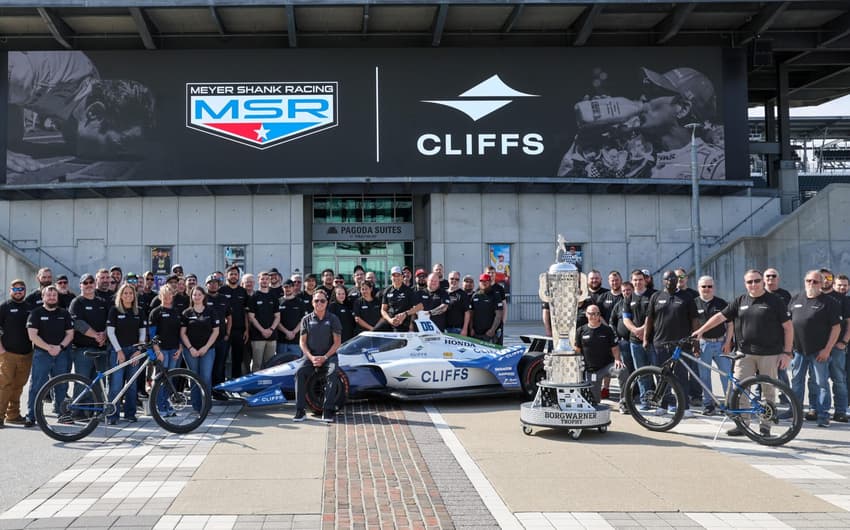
(131,275)
(211,278)
(288,283)
(274,270)
(421,272)
(171,278)
(691,84)
(395,270)
(61,277)
(86,277)
(176,266)
(484,277)
(646,272)
(18,281)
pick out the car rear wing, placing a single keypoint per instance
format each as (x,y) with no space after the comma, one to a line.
(537,343)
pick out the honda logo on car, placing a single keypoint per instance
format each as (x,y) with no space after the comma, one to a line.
(261,115)
(477,102)
(442,376)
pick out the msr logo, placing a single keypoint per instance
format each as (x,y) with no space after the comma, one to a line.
(484,98)
(261,115)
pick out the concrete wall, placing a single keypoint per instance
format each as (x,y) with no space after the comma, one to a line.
(616,231)
(815,235)
(13,265)
(87,234)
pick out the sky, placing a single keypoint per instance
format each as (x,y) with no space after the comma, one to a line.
(836,107)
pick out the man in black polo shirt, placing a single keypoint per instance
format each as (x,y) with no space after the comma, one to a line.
(838,356)
(51,330)
(816,318)
(435,300)
(220,306)
(771,285)
(263,317)
(65,294)
(842,287)
(15,353)
(763,333)
(399,303)
(486,306)
(44,277)
(457,316)
(103,286)
(635,309)
(238,298)
(321,336)
(292,310)
(611,297)
(670,319)
(713,342)
(596,342)
(89,313)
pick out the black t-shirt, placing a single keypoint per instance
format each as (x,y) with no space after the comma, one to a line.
(638,307)
(607,302)
(346,319)
(146,299)
(329,291)
(167,322)
(484,305)
(596,344)
(813,319)
(843,308)
(320,332)
(758,323)
(783,295)
(34,298)
(264,306)
(277,291)
(291,312)
(308,301)
(706,310)
(13,322)
(238,298)
(690,293)
(672,316)
(106,296)
(199,326)
(51,325)
(458,306)
(66,298)
(94,313)
(432,300)
(221,306)
(399,300)
(617,321)
(368,311)
(127,325)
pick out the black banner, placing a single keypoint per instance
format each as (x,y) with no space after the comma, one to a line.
(167,115)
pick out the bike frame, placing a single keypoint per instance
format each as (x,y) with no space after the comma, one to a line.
(102,379)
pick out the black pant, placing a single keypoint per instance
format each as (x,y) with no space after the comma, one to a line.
(221,347)
(302,375)
(664,352)
(237,352)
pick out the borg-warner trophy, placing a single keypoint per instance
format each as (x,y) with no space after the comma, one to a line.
(564,398)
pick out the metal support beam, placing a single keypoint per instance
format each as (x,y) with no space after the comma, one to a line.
(585,24)
(512,18)
(834,30)
(762,21)
(144,26)
(290,26)
(219,25)
(819,78)
(670,26)
(439,24)
(783,113)
(57,27)
(365,26)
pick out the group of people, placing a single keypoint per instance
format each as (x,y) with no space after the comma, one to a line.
(775,331)
(235,319)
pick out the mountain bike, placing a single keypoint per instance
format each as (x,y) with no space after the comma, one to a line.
(657,401)
(179,400)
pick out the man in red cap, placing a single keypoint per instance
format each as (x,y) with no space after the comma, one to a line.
(421,280)
(487,307)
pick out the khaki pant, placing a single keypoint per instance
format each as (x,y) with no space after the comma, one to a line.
(262,351)
(763,364)
(14,373)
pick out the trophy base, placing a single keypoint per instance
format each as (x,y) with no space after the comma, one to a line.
(564,407)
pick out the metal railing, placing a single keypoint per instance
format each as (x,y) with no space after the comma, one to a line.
(35,254)
(524,308)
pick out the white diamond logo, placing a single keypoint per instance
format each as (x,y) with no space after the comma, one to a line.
(484,98)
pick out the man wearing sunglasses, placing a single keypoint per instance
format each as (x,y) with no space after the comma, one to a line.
(15,353)
(89,313)
(714,342)
(598,345)
(771,285)
(763,332)
(321,336)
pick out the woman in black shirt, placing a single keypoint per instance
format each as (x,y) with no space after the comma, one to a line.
(125,326)
(198,332)
(164,321)
(339,307)
(367,308)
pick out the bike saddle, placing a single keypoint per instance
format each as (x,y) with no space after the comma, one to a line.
(733,356)
(94,354)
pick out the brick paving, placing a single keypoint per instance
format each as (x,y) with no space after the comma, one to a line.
(376,475)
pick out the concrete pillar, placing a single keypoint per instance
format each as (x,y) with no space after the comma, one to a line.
(789,184)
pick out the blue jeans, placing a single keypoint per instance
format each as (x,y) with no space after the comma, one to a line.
(664,352)
(203,366)
(44,366)
(640,358)
(800,366)
(710,351)
(838,374)
(119,378)
(456,331)
(294,348)
(168,362)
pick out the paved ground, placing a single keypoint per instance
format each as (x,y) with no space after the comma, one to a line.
(453,464)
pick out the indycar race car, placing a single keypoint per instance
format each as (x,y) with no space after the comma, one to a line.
(423,364)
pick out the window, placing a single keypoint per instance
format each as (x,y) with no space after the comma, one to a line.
(363,209)
(363,344)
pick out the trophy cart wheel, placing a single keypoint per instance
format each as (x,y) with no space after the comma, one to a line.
(526,430)
(575,434)
(603,429)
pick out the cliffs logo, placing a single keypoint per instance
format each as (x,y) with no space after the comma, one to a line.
(261,115)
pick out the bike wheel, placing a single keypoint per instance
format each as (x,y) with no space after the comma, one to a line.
(777,414)
(179,400)
(74,409)
(649,412)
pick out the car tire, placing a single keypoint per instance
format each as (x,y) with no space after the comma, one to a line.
(315,395)
(532,373)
